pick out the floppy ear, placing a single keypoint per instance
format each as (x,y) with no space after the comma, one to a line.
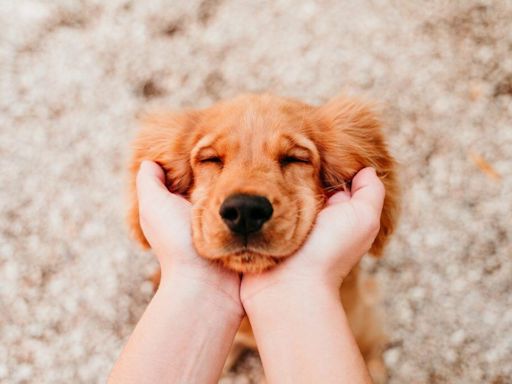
(348,140)
(167,139)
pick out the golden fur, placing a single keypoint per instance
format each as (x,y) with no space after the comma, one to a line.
(294,154)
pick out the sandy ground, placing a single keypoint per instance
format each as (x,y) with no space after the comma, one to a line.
(73,74)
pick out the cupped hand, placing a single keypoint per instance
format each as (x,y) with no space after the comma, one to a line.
(165,219)
(344,231)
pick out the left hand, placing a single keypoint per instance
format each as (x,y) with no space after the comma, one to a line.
(166,223)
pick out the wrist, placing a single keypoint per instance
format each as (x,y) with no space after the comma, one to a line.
(207,295)
(294,294)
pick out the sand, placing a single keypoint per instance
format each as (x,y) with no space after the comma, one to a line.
(74,74)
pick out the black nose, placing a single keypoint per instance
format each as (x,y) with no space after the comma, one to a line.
(245,214)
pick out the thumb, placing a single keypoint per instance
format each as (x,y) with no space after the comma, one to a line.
(154,197)
(368,190)
(164,217)
(150,179)
(359,212)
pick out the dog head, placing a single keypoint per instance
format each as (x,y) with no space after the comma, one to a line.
(257,170)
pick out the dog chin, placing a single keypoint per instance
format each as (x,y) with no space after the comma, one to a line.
(249,262)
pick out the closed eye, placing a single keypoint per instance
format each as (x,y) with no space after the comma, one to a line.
(287,160)
(211,159)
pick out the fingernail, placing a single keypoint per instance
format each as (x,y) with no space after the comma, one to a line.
(144,164)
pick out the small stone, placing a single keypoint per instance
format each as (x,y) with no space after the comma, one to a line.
(146,288)
(3,371)
(490,318)
(491,356)
(450,355)
(392,356)
(458,337)
(417,293)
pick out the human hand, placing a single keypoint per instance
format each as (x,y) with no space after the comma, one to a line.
(344,231)
(166,223)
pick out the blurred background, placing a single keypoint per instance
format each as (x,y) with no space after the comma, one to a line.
(74,75)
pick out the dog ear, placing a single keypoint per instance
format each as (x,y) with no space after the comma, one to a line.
(349,138)
(167,139)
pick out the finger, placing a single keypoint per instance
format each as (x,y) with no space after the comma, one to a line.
(339,197)
(368,189)
(150,179)
(164,217)
(154,197)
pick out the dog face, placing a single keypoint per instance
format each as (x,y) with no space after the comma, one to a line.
(257,169)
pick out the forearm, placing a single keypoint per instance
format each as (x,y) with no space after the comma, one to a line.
(304,337)
(183,336)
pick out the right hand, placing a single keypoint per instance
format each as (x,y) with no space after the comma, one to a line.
(344,231)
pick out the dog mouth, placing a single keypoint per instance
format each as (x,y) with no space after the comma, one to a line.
(249,261)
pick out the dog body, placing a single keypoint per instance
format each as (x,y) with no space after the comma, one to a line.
(257,170)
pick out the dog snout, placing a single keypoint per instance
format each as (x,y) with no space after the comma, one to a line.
(245,214)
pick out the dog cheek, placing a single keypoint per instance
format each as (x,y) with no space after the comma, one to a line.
(312,200)
(201,222)
(209,231)
(197,224)
(282,234)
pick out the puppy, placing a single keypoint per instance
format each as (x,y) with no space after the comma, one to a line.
(257,170)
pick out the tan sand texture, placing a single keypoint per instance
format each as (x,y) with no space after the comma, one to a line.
(74,74)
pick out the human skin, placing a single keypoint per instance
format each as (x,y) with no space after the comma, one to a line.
(298,321)
(186,332)
(295,311)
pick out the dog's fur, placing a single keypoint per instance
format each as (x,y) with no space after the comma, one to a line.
(294,154)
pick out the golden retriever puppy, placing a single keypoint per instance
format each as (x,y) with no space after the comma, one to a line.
(257,170)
